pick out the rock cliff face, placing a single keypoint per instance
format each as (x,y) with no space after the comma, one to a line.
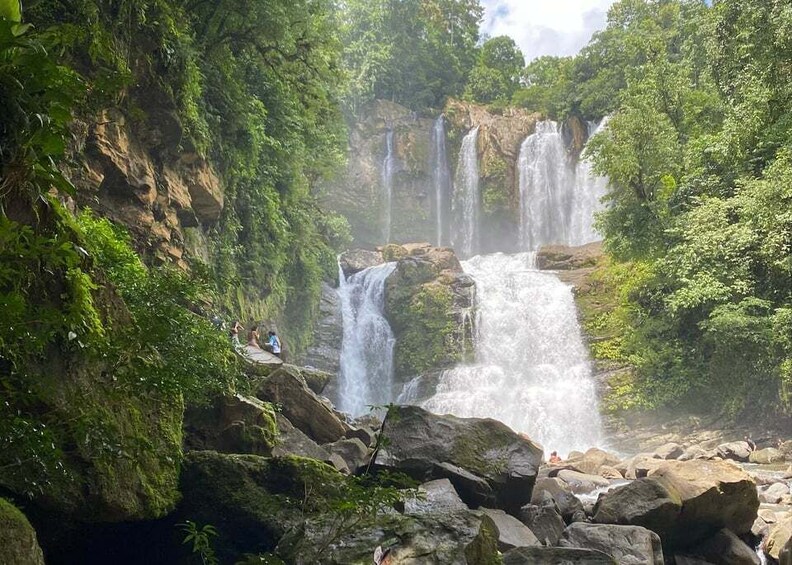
(158,194)
(358,193)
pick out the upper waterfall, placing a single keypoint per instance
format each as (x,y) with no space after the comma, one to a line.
(441,177)
(557,200)
(532,370)
(366,376)
(466,202)
(388,169)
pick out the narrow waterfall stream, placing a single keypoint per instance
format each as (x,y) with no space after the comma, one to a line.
(441,177)
(388,169)
(366,376)
(532,370)
(466,202)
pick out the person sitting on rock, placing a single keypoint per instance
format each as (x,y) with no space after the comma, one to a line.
(253,337)
(234,333)
(554,458)
(274,344)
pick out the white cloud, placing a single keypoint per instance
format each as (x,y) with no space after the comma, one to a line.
(545,27)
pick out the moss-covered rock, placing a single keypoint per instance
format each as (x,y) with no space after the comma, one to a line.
(428,302)
(252,500)
(18,543)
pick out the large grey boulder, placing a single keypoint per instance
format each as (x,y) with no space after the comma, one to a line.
(569,506)
(353,451)
(488,463)
(18,543)
(627,545)
(511,532)
(734,450)
(544,520)
(292,441)
(556,556)
(724,548)
(685,502)
(435,496)
(301,406)
(668,451)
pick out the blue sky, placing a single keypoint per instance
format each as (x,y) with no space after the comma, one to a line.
(545,27)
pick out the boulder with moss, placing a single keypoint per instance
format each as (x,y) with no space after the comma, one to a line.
(231,424)
(429,304)
(18,542)
(488,463)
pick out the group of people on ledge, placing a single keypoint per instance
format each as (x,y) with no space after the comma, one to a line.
(273,344)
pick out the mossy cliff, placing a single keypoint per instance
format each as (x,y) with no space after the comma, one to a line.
(429,304)
(18,543)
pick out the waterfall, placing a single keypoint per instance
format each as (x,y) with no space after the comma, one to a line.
(466,201)
(386,197)
(441,177)
(532,370)
(366,376)
(557,200)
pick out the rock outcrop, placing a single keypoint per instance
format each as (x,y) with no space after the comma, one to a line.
(488,464)
(325,350)
(18,542)
(232,424)
(429,304)
(627,545)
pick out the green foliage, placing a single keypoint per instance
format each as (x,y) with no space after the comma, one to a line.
(414,52)
(201,540)
(496,76)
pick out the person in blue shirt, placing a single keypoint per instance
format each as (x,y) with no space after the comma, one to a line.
(274,343)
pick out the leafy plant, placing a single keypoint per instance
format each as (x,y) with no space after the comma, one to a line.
(201,540)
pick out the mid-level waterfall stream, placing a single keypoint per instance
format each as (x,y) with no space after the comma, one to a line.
(466,202)
(532,370)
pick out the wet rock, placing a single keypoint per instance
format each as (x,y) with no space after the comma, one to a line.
(301,406)
(292,441)
(611,473)
(556,556)
(558,491)
(668,451)
(774,493)
(593,460)
(231,424)
(325,349)
(511,532)
(18,542)
(724,548)
(354,452)
(696,452)
(435,496)
(544,520)
(684,502)
(563,258)
(627,545)
(735,450)
(364,434)
(638,466)
(780,537)
(487,463)
(357,260)
(766,456)
(581,483)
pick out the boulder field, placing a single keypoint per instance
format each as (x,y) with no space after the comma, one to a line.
(282,475)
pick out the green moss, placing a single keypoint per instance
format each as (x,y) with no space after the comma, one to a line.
(484,550)
(425,329)
(18,544)
(469,448)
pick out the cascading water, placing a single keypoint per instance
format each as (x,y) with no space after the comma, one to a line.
(466,201)
(386,197)
(557,201)
(366,376)
(532,370)
(441,176)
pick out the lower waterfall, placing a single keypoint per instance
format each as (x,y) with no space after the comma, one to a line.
(366,376)
(532,370)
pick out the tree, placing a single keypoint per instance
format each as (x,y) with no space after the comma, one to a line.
(497,73)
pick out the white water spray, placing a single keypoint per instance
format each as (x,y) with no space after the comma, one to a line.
(366,376)
(466,202)
(388,169)
(557,201)
(441,177)
(532,370)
